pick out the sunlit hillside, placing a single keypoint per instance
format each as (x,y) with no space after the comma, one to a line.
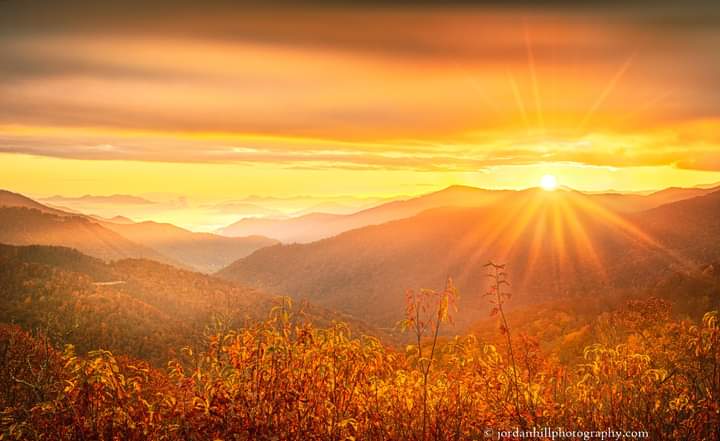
(136,307)
(562,245)
(284,378)
(316,226)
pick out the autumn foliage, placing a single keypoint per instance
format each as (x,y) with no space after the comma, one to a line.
(284,379)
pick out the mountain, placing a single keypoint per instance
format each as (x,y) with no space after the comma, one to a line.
(119,237)
(30,226)
(636,202)
(120,199)
(67,259)
(138,307)
(711,185)
(690,226)
(315,226)
(555,244)
(114,219)
(10,199)
(203,251)
(305,228)
(675,194)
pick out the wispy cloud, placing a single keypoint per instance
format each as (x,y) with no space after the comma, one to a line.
(682,146)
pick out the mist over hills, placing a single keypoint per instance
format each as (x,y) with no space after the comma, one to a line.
(555,243)
(29,226)
(205,252)
(121,199)
(315,226)
(10,199)
(24,221)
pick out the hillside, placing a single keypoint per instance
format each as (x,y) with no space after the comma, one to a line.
(315,226)
(120,237)
(563,325)
(690,226)
(203,251)
(555,244)
(133,306)
(10,199)
(26,226)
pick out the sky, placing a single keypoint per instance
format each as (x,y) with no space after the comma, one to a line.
(218,101)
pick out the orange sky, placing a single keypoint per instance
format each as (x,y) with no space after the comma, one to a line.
(222,101)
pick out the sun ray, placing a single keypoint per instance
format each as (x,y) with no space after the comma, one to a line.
(519,101)
(584,245)
(533,78)
(606,92)
(649,104)
(473,82)
(519,226)
(554,236)
(631,230)
(481,241)
(559,255)
(536,246)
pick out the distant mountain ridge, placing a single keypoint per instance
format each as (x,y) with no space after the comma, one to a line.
(10,199)
(24,221)
(122,199)
(554,243)
(31,226)
(315,226)
(121,238)
(204,251)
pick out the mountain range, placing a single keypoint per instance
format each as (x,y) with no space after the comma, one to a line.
(203,251)
(555,244)
(24,221)
(315,226)
(121,199)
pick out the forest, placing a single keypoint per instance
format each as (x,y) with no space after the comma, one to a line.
(289,375)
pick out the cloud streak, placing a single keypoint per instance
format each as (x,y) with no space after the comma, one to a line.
(683,147)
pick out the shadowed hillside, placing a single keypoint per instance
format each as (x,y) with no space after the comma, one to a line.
(690,226)
(119,237)
(203,251)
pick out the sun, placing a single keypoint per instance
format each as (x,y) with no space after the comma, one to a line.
(548,182)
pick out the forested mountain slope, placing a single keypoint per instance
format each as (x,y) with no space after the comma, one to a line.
(555,244)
